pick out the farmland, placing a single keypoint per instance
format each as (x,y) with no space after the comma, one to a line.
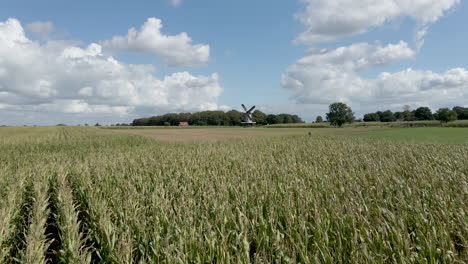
(428,123)
(208,134)
(353,195)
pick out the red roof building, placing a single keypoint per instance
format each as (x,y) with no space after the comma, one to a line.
(183,124)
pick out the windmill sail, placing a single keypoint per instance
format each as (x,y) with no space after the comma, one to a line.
(248,116)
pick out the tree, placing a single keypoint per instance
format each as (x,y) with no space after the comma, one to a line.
(183,117)
(339,114)
(286,118)
(371,117)
(423,113)
(407,114)
(279,119)
(462,112)
(214,118)
(271,119)
(387,116)
(259,117)
(234,117)
(296,119)
(379,113)
(445,115)
(398,116)
(319,119)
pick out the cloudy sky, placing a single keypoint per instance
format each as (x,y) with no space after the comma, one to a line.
(79,62)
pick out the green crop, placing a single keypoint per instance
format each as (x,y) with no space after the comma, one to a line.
(89,195)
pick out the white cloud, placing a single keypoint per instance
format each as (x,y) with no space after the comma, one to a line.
(59,78)
(176,50)
(330,75)
(175,3)
(333,75)
(357,57)
(327,20)
(42,29)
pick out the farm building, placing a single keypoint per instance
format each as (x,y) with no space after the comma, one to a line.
(183,124)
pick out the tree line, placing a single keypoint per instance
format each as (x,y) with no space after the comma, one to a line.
(419,114)
(340,113)
(215,118)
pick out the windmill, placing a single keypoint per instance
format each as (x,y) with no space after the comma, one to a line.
(248,116)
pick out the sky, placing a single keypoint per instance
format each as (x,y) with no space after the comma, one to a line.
(77,62)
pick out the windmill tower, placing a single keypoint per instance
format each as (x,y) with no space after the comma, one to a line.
(248,116)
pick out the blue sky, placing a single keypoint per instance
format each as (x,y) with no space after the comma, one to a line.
(283,56)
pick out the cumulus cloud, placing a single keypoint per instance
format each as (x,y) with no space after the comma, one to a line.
(328,20)
(333,75)
(176,50)
(42,29)
(357,57)
(60,78)
(328,75)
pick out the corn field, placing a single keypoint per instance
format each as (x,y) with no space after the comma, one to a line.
(89,195)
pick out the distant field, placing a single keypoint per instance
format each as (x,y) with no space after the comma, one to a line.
(163,127)
(434,123)
(427,134)
(420,134)
(210,134)
(90,195)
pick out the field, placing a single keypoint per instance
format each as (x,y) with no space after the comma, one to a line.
(351,195)
(208,134)
(433,123)
(435,135)
(449,135)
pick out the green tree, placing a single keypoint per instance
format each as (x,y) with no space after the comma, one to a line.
(214,118)
(340,114)
(398,116)
(407,114)
(423,113)
(371,117)
(259,117)
(462,112)
(271,119)
(319,119)
(445,115)
(279,119)
(234,117)
(296,119)
(286,118)
(387,116)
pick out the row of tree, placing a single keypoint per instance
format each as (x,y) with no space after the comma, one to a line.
(421,113)
(215,118)
(340,113)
